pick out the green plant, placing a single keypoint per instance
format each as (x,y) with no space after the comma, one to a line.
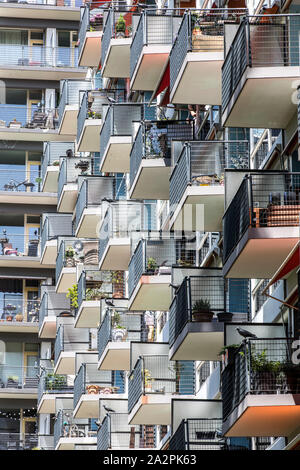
(54,381)
(229,346)
(55,163)
(70,252)
(201,305)
(14,378)
(147,377)
(94,293)
(73,295)
(38,180)
(259,362)
(121,25)
(151,264)
(116,277)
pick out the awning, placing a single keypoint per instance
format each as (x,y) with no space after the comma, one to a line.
(163,84)
(291,262)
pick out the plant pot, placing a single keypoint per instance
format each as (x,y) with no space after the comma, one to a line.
(9,318)
(224,317)
(120,34)
(119,334)
(117,295)
(148,388)
(19,317)
(203,316)
(70,262)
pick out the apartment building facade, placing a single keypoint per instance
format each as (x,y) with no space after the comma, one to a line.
(149,225)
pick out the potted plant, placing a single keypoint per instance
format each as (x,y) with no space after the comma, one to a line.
(55,163)
(83,165)
(151,265)
(228,353)
(73,295)
(224,316)
(94,294)
(119,332)
(117,280)
(9,318)
(147,380)
(265,375)
(70,254)
(19,317)
(121,27)
(201,311)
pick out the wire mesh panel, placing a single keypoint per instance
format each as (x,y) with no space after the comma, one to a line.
(55,225)
(68,427)
(51,383)
(91,20)
(199,434)
(69,338)
(110,30)
(51,153)
(70,94)
(90,380)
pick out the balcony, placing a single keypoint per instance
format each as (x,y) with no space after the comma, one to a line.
(50,164)
(92,287)
(152,383)
(149,272)
(115,333)
(69,340)
(116,434)
(70,169)
(197,183)
(261,389)
(17,441)
(39,62)
(116,136)
(70,253)
(45,9)
(53,225)
(150,158)
(20,248)
(89,204)
(51,386)
(90,385)
(198,434)
(18,314)
(199,309)
(262,62)
(89,121)
(150,48)
(122,222)
(116,41)
(69,105)
(52,304)
(197,55)
(90,36)
(261,223)
(18,382)
(70,432)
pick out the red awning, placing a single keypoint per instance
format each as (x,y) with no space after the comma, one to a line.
(291,262)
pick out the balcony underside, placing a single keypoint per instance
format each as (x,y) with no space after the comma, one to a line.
(35,135)
(68,197)
(69,443)
(91,50)
(88,223)
(151,293)
(117,61)
(116,158)
(20,394)
(26,197)
(264,415)
(88,404)
(117,255)
(49,253)
(200,79)
(253,103)
(198,341)
(88,315)
(35,72)
(260,252)
(66,279)
(18,327)
(47,403)
(65,363)
(48,327)
(200,208)
(116,356)
(49,185)
(149,67)
(152,409)
(152,180)
(89,140)
(68,124)
(47,12)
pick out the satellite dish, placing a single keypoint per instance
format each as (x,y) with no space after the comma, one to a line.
(78,245)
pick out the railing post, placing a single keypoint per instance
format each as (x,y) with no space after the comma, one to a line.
(248,364)
(186,434)
(189,297)
(250,198)
(248,45)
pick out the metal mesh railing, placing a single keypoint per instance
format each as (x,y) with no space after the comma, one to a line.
(91,380)
(70,93)
(68,427)
(91,20)
(69,338)
(21,116)
(55,225)
(51,154)
(112,30)
(158,375)
(15,308)
(18,441)
(263,200)
(198,434)
(260,366)
(51,383)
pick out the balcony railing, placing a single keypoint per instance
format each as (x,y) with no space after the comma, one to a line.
(52,304)
(118,326)
(159,250)
(153,29)
(202,163)
(35,56)
(55,225)
(259,366)
(91,193)
(119,121)
(68,172)
(90,380)
(110,29)
(51,154)
(69,338)
(154,140)
(261,41)
(17,441)
(200,31)
(41,3)
(19,116)
(265,199)
(70,93)
(55,384)
(91,20)
(68,427)
(116,433)
(69,257)
(19,377)
(158,375)
(94,285)
(126,219)
(20,244)
(18,178)
(17,309)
